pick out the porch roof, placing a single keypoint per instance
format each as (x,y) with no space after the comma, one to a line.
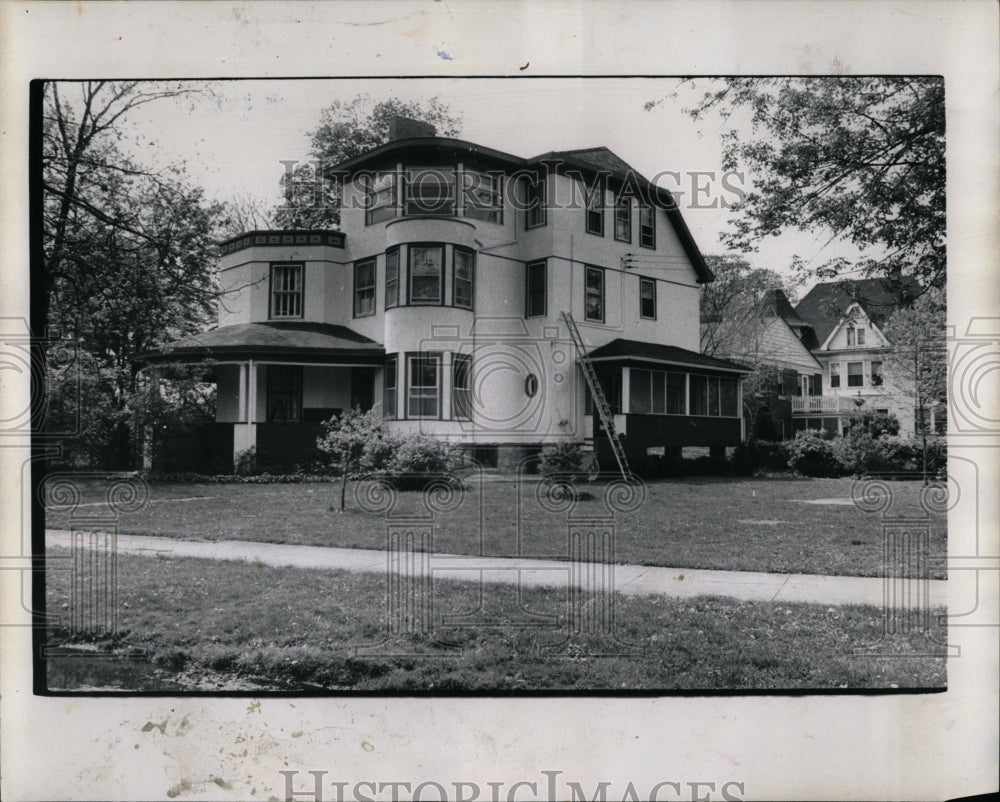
(311,342)
(635,351)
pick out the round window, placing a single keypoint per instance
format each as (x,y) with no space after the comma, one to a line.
(531,385)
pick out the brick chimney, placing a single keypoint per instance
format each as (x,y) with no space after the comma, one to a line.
(407,128)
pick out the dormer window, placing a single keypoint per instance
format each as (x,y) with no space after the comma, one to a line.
(430,191)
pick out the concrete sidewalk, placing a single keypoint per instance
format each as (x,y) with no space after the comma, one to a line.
(632,580)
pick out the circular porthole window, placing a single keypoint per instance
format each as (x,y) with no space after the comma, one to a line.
(531,385)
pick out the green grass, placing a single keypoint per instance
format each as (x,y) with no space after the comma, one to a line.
(731,524)
(297,629)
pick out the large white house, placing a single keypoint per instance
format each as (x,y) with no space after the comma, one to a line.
(446,297)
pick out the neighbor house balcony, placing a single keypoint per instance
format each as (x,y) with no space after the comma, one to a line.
(822,404)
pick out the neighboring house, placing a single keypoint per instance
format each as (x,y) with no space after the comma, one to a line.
(442,301)
(846,321)
(769,339)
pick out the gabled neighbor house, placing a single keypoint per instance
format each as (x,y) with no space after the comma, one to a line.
(774,341)
(846,320)
(468,295)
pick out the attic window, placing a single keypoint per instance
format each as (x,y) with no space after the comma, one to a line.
(855,335)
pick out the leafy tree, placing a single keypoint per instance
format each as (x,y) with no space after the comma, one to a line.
(918,357)
(731,305)
(861,158)
(346,129)
(348,438)
(128,249)
(734,325)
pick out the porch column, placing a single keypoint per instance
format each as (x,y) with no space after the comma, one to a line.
(739,408)
(245,432)
(626,391)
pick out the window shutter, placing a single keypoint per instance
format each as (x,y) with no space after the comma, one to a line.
(817,384)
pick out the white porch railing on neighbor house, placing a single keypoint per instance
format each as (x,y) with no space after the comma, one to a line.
(812,404)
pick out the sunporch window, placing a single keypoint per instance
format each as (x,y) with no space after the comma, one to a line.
(482,198)
(381,197)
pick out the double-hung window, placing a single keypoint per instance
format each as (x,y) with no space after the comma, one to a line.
(461,387)
(535,200)
(595,208)
(380,197)
(465,271)
(392,278)
(835,374)
(647,226)
(534,290)
(623,219)
(423,386)
(364,288)
(426,273)
(647,298)
(876,373)
(430,191)
(286,290)
(855,374)
(389,382)
(594,295)
(482,197)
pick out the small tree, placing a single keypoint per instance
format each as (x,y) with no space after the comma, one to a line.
(347,439)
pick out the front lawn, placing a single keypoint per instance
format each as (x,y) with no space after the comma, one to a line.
(769,524)
(249,626)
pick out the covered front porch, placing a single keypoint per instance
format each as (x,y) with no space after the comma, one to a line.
(277,384)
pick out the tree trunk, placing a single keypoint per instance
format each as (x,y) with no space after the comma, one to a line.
(343,489)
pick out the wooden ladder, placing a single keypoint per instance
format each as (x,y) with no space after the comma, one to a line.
(599,399)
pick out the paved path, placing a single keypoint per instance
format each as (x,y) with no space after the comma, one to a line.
(633,580)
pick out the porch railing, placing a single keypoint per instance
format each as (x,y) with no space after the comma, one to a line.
(812,404)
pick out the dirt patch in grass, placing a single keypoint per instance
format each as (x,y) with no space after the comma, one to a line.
(692,523)
(301,630)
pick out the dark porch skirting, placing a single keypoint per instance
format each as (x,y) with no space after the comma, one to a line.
(671,432)
(285,445)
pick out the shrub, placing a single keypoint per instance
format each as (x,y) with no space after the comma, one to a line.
(763,425)
(812,453)
(245,462)
(874,424)
(565,459)
(417,458)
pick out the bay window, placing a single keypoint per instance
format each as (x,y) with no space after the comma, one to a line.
(364,288)
(461,387)
(389,382)
(392,278)
(426,273)
(482,197)
(430,191)
(380,190)
(465,268)
(423,386)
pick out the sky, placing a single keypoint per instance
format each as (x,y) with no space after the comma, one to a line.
(234,138)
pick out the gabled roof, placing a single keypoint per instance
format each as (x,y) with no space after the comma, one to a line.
(621,350)
(275,338)
(826,303)
(776,304)
(598,159)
